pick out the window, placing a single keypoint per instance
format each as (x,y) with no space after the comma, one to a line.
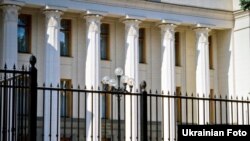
(65,37)
(211,107)
(179,111)
(142,47)
(66,98)
(104,43)
(24,33)
(177,49)
(210,46)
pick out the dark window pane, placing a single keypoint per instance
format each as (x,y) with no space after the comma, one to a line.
(64,37)
(142,53)
(23,33)
(177,49)
(104,42)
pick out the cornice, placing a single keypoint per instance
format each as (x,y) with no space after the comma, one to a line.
(167,7)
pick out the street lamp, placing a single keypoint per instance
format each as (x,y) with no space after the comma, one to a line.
(113,85)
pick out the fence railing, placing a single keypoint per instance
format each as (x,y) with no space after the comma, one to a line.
(164,113)
(68,113)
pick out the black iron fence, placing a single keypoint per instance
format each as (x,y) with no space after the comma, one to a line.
(68,113)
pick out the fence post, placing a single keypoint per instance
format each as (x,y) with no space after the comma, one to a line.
(144,133)
(33,100)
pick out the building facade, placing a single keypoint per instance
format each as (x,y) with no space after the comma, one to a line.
(175,46)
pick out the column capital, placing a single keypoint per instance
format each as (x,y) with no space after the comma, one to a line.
(202,29)
(167,30)
(10,12)
(131,22)
(52,13)
(53,17)
(93,17)
(202,34)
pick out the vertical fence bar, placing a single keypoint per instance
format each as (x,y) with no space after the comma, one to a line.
(9,108)
(198,108)
(33,100)
(220,109)
(226,109)
(1,106)
(71,114)
(163,122)
(192,108)
(180,98)
(13,105)
(150,107)
(187,108)
(78,115)
(99,122)
(50,115)
(85,112)
(5,106)
(156,108)
(64,110)
(232,110)
(144,111)
(43,135)
(242,104)
(112,134)
(237,110)
(57,115)
(215,112)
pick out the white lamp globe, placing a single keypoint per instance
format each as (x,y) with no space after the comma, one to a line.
(105,80)
(112,82)
(124,79)
(118,72)
(131,82)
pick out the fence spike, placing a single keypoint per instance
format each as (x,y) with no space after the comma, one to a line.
(186,94)
(198,95)
(237,97)
(168,93)
(57,85)
(14,67)
(5,66)
(43,84)
(247,99)
(180,94)
(78,86)
(215,96)
(192,94)
(220,96)
(137,90)
(162,92)
(85,87)
(71,86)
(150,91)
(50,85)
(156,92)
(92,87)
(98,88)
(203,95)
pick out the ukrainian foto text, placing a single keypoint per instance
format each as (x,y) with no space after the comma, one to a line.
(211,132)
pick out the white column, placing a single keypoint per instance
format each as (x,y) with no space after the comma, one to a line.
(9,36)
(92,67)
(131,70)
(168,78)
(52,72)
(202,73)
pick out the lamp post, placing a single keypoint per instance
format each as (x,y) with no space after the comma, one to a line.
(113,85)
